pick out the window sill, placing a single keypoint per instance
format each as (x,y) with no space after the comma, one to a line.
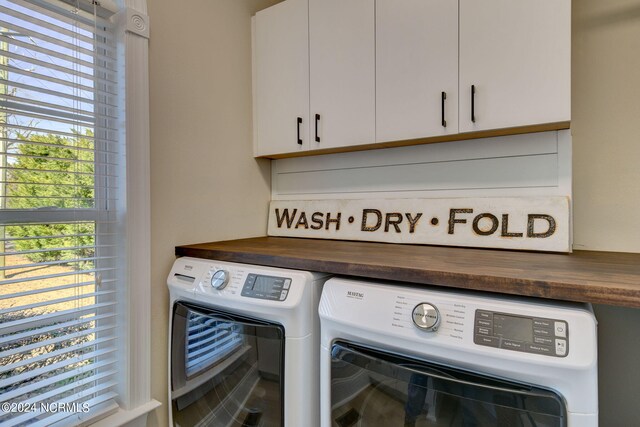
(131,418)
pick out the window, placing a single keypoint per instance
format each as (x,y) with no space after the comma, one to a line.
(61,193)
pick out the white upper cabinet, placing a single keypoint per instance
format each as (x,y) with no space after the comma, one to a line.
(334,74)
(342,72)
(416,69)
(281,73)
(517,57)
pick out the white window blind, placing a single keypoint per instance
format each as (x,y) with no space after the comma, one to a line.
(60,181)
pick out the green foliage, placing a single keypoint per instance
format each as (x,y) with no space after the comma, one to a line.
(47,173)
(82,245)
(52,171)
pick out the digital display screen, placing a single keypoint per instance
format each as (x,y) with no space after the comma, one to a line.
(513,328)
(263,284)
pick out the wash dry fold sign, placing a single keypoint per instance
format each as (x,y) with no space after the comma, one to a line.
(539,223)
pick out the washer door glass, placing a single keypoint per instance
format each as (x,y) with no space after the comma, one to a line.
(373,388)
(226,370)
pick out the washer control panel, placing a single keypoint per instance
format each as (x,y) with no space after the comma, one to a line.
(549,337)
(266,287)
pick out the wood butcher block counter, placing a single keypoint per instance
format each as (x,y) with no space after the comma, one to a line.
(585,276)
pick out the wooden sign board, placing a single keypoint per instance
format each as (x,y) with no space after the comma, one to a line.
(537,223)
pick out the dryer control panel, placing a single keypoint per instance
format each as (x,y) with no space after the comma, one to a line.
(536,335)
(266,287)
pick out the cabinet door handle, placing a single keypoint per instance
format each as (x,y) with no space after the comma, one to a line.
(444,122)
(473,103)
(299,123)
(317,120)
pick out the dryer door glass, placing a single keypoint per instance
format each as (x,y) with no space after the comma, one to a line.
(226,370)
(374,388)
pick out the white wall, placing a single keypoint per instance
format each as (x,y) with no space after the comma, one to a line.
(205,184)
(606,178)
(606,124)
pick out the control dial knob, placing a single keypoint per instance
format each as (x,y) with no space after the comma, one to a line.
(220,279)
(426,317)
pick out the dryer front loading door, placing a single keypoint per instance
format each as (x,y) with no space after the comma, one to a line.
(226,370)
(371,388)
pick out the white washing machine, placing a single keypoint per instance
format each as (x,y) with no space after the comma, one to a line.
(244,345)
(394,355)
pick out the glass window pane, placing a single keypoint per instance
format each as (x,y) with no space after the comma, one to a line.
(60,237)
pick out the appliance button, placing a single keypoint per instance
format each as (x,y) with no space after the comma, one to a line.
(283,295)
(481,314)
(542,323)
(512,345)
(481,330)
(542,332)
(538,348)
(487,341)
(484,322)
(287,284)
(543,340)
(561,329)
(561,347)
(426,317)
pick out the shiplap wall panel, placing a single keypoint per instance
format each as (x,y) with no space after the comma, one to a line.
(513,146)
(518,172)
(521,165)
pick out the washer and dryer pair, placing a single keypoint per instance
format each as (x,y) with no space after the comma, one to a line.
(259,346)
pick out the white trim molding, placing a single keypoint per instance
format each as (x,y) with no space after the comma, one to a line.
(132,26)
(136,417)
(136,113)
(135,22)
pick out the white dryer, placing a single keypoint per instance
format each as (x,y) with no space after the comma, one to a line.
(395,355)
(244,345)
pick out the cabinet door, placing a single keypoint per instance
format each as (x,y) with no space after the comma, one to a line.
(342,82)
(416,61)
(281,97)
(517,55)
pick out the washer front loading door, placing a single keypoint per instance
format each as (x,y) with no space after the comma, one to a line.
(372,388)
(226,370)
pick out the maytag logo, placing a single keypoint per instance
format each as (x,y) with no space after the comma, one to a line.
(188,267)
(356,295)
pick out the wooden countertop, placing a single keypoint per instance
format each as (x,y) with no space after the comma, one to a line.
(585,276)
